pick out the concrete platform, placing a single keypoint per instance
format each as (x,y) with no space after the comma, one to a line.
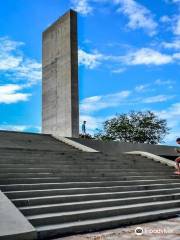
(157,230)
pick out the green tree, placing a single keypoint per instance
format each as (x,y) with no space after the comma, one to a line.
(134,127)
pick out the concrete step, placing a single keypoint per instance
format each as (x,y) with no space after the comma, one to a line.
(79,158)
(54,199)
(88,214)
(17,163)
(14,153)
(69,161)
(19,152)
(71,191)
(29,180)
(6,152)
(51,231)
(24,140)
(75,165)
(55,185)
(37,164)
(74,206)
(62,154)
(25,175)
(81,174)
(64,170)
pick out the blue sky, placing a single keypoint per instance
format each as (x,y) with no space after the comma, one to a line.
(129,56)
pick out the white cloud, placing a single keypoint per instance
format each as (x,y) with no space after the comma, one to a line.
(119,70)
(8,62)
(165,19)
(82,6)
(90,60)
(174,20)
(151,87)
(10,93)
(142,56)
(147,56)
(172,115)
(176,56)
(172,1)
(91,105)
(30,70)
(93,123)
(17,68)
(157,99)
(176,25)
(19,128)
(172,112)
(175,1)
(172,45)
(139,16)
(141,88)
(7,45)
(14,64)
(163,82)
(97,103)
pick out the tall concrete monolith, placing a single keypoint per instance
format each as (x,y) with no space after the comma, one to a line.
(60,103)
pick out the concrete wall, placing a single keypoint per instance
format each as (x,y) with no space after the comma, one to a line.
(112,147)
(13,225)
(60,113)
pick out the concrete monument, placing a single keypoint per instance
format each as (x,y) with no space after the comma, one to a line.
(60,104)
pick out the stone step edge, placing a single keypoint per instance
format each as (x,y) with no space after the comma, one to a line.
(102,209)
(74,144)
(46,206)
(88,182)
(91,188)
(129,219)
(92,194)
(154,157)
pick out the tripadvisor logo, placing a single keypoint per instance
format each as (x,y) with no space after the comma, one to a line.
(139,231)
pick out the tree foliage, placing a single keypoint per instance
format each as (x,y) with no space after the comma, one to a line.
(134,127)
(87,136)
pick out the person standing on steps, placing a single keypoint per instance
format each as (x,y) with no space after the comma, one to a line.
(177,160)
(84,129)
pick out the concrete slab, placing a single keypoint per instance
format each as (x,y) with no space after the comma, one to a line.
(153,157)
(60,101)
(74,144)
(116,148)
(157,230)
(13,225)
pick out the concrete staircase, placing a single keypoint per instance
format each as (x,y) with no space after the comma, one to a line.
(64,191)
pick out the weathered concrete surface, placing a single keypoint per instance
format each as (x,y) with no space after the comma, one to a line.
(156,158)
(60,113)
(13,225)
(32,141)
(74,144)
(116,148)
(157,230)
